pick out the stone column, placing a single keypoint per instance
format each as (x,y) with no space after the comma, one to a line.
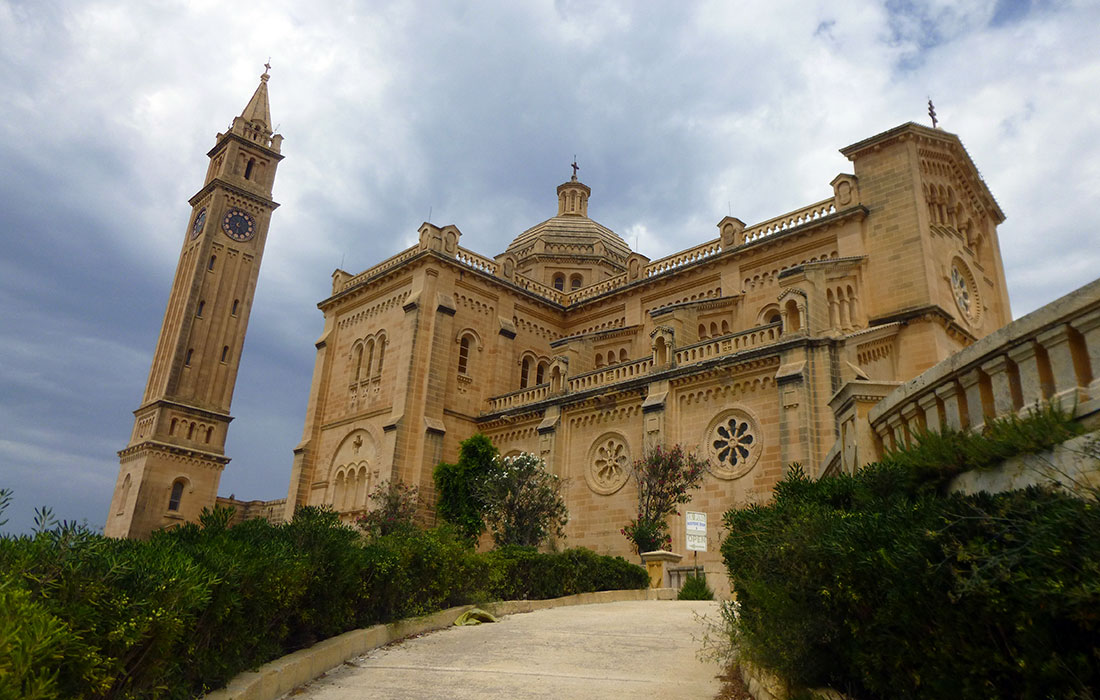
(972,388)
(931,409)
(997,371)
(1031,386)
(1067,393)
(952,410)
(1089,328)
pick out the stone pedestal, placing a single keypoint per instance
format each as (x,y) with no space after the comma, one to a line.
(657,563)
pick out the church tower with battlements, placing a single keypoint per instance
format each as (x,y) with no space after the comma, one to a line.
(171,467)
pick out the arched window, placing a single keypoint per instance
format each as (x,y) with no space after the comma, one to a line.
(248,168)
(338,492)
(381,355)
(176,497)
(191,431)
(599,360)
(540,373)
(794,323)
(236,303)
(559,282)
(525,373)
(713,329)
(225,352)
(622,355)
(209,435)
(198,312)
(187,358)
(725,327)
(358,362)
(702,331)
(370,358)
(660,352)
(210,265)
(575,282)
(463,354)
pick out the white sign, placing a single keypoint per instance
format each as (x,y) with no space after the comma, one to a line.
(695,525)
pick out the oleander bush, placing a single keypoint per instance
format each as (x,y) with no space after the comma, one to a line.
(85,616)
(883,585)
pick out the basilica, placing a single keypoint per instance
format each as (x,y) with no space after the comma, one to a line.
(763,345)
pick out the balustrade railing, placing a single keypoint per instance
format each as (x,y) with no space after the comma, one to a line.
(519,398)
(745,340)
(789,220)
(684,257)
(1052,355)
(596,289)
(611,374)
(380,267)
(478,262)
(540,288)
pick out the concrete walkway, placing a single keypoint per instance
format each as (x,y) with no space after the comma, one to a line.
(643,649)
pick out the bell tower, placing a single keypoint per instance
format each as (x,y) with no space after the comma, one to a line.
(170,469)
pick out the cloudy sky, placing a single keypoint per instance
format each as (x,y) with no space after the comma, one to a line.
(678,113)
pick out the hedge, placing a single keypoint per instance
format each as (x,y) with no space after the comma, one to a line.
(883,585)
(85,616)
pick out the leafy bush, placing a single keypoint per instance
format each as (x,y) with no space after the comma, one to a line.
(85,616)
(522,573)
(880,585)
(456,485)
(395,509)
(664,478)
(695,588)
(522,501)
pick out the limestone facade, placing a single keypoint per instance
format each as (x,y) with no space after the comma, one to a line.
(170,469)
(572,346)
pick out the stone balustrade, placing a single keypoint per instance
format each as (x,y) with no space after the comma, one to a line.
(1052,355)
(519,398)
(790,220)
(593,290)
(745,340)
(381,267)
(540,289)
(611,374)
(479,262)
(684,257)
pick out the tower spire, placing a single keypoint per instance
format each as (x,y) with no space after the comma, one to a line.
(258,112)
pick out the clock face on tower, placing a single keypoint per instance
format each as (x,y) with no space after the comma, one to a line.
(238,225)
(200,222)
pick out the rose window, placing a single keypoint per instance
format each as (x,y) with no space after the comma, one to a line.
(733,442)
(964,291)
(609,464)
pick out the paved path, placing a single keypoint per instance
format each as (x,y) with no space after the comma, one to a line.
(643,649)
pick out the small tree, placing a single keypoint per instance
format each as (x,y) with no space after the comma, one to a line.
(456,485)
(523,502)
(394,509)
(664,478)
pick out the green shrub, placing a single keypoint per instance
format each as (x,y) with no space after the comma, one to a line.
(85,616)
(456,485)
(695,588)
(880,585)
(522,501)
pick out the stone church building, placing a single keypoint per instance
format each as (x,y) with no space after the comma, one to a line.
(568,344)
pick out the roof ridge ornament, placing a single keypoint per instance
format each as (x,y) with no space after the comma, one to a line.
(932,113)
(575,167)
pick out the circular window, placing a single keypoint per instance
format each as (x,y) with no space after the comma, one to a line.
(965,291)
(733,442)
(608,464)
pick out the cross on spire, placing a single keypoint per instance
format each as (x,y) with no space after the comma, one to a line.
(575,167)
(932,112)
